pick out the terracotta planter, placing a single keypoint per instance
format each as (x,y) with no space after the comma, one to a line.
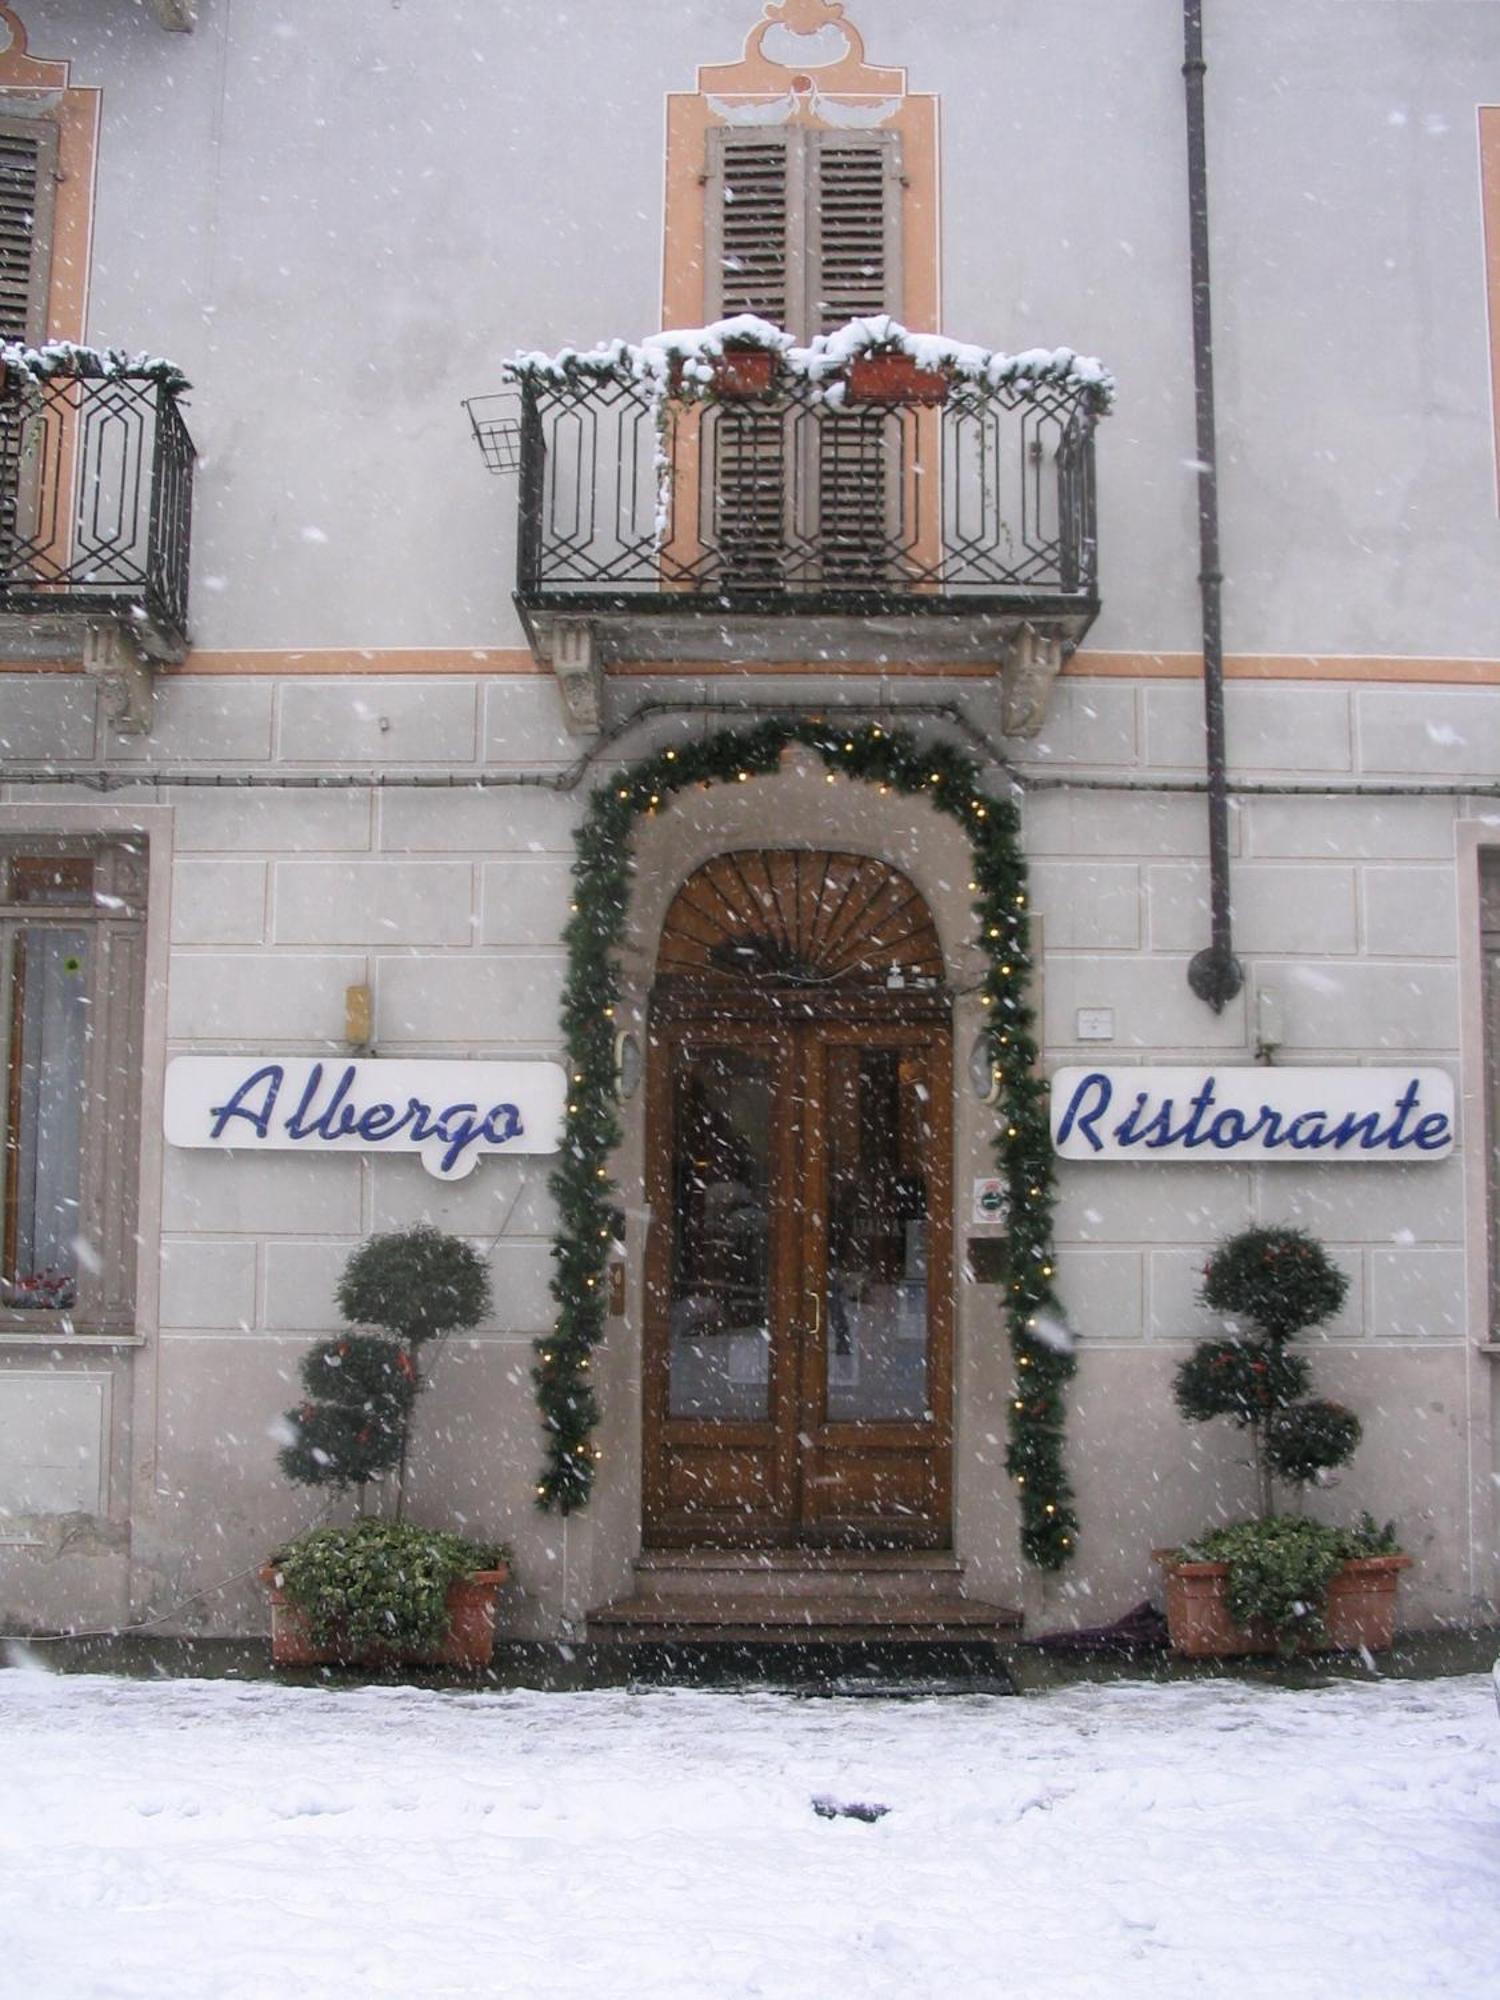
(895,378)
(1360,1610)
(468,1642)
(741,375)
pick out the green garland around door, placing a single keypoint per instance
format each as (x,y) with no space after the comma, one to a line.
(893,760)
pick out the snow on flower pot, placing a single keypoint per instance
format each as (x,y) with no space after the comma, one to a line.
(895,378)
(467,1642)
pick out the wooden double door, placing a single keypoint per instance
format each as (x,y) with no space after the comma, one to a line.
(798,1342)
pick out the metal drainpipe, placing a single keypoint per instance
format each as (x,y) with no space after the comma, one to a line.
(1214,974)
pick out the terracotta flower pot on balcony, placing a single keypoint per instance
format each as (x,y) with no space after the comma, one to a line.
(740,373)
(1359,1611)
(894,379)
(468,1642)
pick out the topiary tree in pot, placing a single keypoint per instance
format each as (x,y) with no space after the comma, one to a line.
(378,1586)
(1275,1283)
(1282,1282)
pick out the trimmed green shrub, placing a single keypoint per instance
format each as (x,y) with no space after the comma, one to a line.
(1310,1438)
(1244,1380)
(379,1586)
(355,1424)
(1280,1569)
(1282,1279)
(416,1284)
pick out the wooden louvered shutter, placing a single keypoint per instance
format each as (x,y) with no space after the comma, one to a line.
(853,272)
(754,216)
(803,226)
(28,185)
(803,229)
(854,211)
(750,199)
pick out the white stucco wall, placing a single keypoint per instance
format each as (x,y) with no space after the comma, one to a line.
(339,227)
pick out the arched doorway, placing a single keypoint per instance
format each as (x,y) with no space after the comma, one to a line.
(798,1348)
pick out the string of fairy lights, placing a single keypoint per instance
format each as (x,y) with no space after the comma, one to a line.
(896,762)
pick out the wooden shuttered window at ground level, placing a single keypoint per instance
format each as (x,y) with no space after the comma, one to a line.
(803,229)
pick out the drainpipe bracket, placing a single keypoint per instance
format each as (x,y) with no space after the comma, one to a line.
(1216,976)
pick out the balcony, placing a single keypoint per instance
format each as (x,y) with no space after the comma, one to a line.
(96,486)
(725,496)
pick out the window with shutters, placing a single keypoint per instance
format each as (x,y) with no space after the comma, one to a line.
(72,939)
(803,226)
(803,229)
(28,184)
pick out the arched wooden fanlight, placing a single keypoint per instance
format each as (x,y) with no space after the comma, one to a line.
(798,917)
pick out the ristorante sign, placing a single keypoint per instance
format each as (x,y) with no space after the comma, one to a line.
(1239,1114)
(447,1112)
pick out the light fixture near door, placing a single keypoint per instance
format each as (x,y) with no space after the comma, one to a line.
(984,1071)
(627,1065)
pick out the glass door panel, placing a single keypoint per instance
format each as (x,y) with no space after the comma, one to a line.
(876,1322)
(719,1325)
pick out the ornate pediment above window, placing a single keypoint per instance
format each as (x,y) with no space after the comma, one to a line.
(803,62)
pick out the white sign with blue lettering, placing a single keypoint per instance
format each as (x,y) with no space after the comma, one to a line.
(447,1112)
(1239,1114)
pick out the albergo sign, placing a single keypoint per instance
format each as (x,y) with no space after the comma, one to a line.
(447,1112)
(1252,1114)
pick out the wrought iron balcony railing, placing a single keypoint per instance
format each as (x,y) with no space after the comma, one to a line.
(96,488)
(784,501)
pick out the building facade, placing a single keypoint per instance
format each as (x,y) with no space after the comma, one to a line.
(312,674)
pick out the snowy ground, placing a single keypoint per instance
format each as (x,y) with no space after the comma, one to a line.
(1212,1840)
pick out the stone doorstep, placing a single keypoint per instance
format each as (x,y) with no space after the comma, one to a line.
(796,1596)
(835,1617)
(776,1576)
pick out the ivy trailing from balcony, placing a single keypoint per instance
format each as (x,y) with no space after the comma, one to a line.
(581,1184)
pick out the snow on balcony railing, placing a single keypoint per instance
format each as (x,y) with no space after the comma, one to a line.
(871,463)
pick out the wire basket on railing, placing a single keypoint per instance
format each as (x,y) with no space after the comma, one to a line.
(496,422)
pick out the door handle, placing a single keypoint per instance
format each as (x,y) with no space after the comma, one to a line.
(817,1325)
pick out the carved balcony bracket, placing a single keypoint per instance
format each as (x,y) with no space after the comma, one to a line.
(574,659)
(1032,663)
(124,675)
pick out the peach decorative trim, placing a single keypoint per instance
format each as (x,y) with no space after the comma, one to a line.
(328,660)
(1489,190)
(814,52)
(76,114)
(356,660)
(489,661)
(1284,667)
